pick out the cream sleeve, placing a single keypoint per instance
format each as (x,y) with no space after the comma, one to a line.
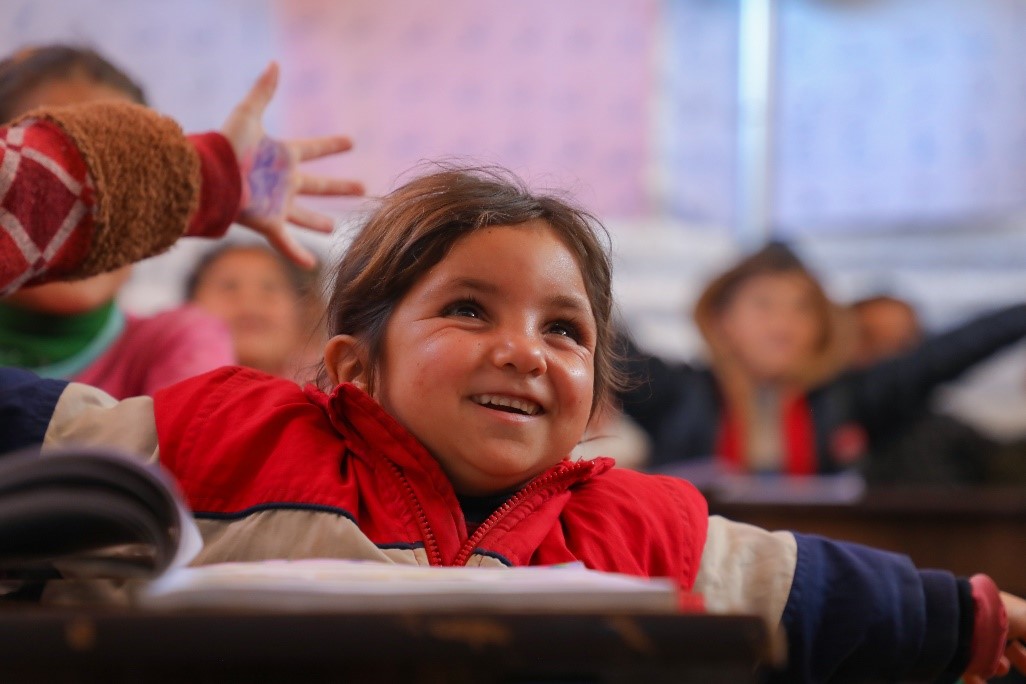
(746,569)
(89,416)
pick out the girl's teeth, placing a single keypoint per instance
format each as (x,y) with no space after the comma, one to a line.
(495,400)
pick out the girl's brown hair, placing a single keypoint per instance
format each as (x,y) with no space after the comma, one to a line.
(417,225)
(28,68)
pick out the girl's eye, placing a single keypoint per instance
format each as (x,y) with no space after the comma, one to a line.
(566,329)
(464,309)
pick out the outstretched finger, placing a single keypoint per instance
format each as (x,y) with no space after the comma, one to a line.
(308,218)
(313,148)
(256,100)
(327,185)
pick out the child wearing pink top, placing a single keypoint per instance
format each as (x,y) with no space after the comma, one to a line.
(154,352)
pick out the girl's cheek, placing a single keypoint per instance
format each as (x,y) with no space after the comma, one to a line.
(582,380)
(578,370)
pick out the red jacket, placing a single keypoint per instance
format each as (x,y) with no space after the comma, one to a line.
(242,442)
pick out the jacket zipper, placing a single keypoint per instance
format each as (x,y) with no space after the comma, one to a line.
(431,548)
(502,511)
(434,553)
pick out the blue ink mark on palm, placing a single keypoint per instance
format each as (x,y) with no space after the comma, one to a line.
(267,177)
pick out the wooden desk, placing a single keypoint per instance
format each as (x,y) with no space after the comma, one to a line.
(965,530)
(61,645)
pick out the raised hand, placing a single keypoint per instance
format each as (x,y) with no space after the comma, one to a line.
(271,179)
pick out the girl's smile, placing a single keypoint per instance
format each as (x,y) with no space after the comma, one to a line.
(522,406)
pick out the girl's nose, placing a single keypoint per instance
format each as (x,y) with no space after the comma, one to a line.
(522,353)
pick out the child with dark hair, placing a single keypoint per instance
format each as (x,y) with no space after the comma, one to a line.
(930,447)
(272,308)
(778,395)
(56,75)
(76,330)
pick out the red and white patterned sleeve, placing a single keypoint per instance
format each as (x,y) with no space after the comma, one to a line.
(46,198)
(91,188)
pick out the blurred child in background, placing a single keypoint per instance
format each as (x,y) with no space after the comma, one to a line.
(931,447)
(778,395)
(75,330)
(272,308)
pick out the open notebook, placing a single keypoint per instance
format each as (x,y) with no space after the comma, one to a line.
(101,513)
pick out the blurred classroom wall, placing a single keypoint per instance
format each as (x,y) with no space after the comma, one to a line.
(894,130)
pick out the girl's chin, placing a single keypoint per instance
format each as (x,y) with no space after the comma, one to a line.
(496,481)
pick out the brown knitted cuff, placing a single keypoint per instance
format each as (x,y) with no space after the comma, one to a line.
(146,175)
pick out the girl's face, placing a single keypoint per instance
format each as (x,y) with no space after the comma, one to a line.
(772,326)
(250,291)
(489,359)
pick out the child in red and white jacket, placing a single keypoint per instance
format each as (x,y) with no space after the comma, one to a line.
(471,346)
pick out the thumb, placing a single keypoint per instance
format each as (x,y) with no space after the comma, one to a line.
(256,100)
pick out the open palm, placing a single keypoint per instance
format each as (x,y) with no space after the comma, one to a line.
(271,178)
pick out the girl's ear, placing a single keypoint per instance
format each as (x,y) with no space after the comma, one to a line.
(345,359)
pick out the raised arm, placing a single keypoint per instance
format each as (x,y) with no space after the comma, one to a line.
(655,387)
(89,188)
(674,403)
(894,389)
